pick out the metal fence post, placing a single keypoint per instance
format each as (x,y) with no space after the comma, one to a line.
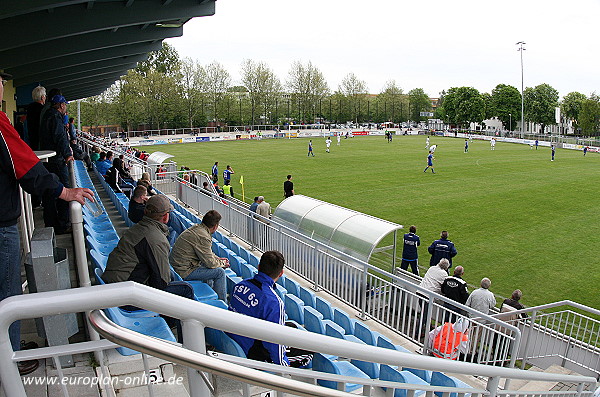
(529,332)
(194,339)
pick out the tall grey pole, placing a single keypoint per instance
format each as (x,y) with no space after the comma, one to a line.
(521,49)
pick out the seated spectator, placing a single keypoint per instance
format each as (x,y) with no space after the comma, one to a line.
(192,256)
(205,189)
(145,181)
(256,297)
(482,299)
(102,165)
(435,276)
(449,340)
(142,254)
(455,288)
(95,154)
(137,204)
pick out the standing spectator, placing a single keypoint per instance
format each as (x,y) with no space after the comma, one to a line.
(410,255)
(442,248)
(263,208)
(288,187)
(20,166)
(227,174)
(142,254)
(513,302)
(215,172)
(78,152)
(192,256)
(256,297)
(455,288)
(54,137)
(228,189)
(137,204)
(254,205)
(34,109)
(482,299)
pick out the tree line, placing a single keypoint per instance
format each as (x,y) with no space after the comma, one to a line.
(166,91)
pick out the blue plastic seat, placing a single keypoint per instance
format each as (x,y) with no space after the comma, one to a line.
(217,303)
(324,308)
(343,319)
(247,271)
(202,290)
(391,374)
(314,322)
(369,368)
(223,343)
(292,286)
(440,379)
(103,248)
(232,282)
(322,363)
(307,296)
(336,333)
(254,260)
(294,308)
(245,254)
(365,334)
(98,259)
(387,344)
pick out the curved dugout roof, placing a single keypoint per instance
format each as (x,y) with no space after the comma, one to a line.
(82,47)
(158,158)
(349,231)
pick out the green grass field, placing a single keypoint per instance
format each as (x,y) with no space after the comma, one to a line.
(515,217)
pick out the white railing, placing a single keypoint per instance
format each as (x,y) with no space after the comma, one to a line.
(196,316)
(396,303)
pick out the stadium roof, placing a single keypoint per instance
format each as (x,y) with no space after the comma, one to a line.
(82,47)
(349,231)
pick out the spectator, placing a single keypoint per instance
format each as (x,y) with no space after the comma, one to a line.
(145,181)
(228,189)
(20,166)
(410,255)
(215,172)
(288,187)
(227,174)
(142,254)
(254,204)
(205,189)
(442,248)
(513,302)
(435,276)
(269,307)
(263,208)
(53,137)
(137,204)
(102,165)
(192,256)
(482,299)
(33,116)
(95,154)
(450,340)
(455,288)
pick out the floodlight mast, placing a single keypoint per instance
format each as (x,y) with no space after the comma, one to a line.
(521,49)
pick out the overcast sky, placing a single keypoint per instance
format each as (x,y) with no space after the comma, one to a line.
(432,45)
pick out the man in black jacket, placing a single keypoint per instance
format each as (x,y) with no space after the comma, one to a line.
(53,136)
(455,288)
(19,166)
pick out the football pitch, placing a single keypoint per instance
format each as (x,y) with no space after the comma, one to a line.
(515,217)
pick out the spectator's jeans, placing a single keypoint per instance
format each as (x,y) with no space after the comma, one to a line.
(10,274)
(217,276)
(56,211)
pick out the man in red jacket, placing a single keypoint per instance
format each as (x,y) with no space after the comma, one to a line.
(19,166)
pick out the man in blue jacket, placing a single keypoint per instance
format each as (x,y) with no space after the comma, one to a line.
(256,297)
(410,256)
(442,248)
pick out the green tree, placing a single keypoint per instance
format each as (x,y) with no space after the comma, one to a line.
(589,115)
(193,81)
(308,86)
(264,87)
(217,82)
(355,90)
(464,105)
(391,104)
(164,61)
(506,101)
(540,104)
(571,106)
(418,102)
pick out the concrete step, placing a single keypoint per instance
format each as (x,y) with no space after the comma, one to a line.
(541,385)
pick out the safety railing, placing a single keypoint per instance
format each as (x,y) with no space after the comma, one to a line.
(396,303)
(196,316)
(560,334)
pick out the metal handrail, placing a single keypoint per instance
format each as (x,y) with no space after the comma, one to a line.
(130,293)
(189,358)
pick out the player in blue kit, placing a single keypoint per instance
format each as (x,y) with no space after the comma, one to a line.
(410,256)
(310,149)
(466,145)
(553,151)
(429,162)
